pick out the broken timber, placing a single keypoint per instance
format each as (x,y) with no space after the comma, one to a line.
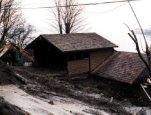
(143,87)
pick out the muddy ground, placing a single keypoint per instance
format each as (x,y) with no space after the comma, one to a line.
(90,89)
(8,109)
(103,94)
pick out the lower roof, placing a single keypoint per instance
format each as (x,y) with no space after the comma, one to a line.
(122,66)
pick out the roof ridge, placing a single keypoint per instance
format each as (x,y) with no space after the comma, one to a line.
(106,61)
(70,33)
(127,52)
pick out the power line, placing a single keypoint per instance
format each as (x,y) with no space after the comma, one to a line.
(109,10)
(87,4)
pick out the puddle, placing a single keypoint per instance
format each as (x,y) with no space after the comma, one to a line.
(36,106)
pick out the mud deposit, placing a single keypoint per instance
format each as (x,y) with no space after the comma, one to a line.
(39,106)
(53,93)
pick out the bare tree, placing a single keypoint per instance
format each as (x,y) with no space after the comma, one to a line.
(68,16)
(146,60)
(8,17)
(12,24)
(21,35)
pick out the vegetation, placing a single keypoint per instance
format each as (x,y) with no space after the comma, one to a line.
(67,16)
(146,60)
(12,24)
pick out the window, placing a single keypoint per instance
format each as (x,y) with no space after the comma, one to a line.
(78,56)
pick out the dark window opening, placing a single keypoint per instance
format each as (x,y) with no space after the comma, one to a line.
(78,56)
(47,55)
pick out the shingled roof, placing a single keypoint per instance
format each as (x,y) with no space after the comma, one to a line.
(122,66)
(78,41)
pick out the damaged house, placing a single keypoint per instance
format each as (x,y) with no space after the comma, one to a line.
(80,53)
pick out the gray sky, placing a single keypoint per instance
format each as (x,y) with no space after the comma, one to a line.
(106,19)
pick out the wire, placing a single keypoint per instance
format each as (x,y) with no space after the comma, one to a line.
(109,10)
(88,4)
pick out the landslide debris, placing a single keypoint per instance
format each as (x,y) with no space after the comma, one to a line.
(92,90)
(44,83)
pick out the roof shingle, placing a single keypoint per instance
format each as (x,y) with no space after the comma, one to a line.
(78,41)
(123,66)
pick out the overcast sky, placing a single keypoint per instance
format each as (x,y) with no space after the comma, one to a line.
(106,19)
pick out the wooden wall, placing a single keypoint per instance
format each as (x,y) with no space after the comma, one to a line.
(86,65)
(98,57)
(78,66)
